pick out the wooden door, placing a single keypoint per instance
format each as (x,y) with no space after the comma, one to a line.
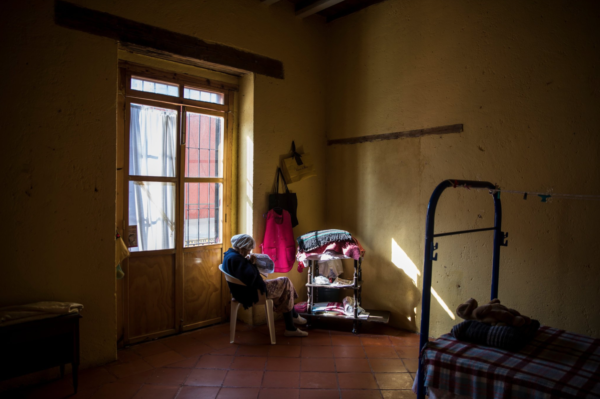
(204,195)
(176,199)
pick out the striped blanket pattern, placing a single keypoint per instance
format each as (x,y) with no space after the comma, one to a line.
(315,239)
(555,364)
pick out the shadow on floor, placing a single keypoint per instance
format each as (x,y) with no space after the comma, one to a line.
(330,363)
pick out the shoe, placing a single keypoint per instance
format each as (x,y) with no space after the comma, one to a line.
(297,333)
(299,320)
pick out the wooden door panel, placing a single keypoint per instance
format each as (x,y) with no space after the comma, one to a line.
(151,296)
(202,288)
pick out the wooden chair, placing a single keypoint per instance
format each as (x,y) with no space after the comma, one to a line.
(262,300)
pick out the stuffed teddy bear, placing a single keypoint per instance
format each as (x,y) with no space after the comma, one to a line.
(493,313)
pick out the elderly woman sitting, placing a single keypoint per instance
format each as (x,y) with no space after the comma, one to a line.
(238,262)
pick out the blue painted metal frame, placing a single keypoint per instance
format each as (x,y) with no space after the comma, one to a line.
(429,258)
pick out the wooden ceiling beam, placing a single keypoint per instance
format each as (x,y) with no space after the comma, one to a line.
(169,45)
(347,8)
(316,7)
(268,2)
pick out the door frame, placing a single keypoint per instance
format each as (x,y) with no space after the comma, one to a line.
(225,110)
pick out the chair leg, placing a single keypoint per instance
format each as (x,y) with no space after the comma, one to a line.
(235,305)
(270,320)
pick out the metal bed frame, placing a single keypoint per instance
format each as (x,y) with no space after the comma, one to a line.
(430,248)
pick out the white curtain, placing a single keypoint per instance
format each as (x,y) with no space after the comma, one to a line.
(153,136)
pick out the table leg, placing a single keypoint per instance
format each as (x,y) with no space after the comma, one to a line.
(355,326)
(75,367)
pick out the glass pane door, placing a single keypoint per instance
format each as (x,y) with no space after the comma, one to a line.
(203,181)
(152,141)
(204,146)
(152,177)
(152,212)
(202,214)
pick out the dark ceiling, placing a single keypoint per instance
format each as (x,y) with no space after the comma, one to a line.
(330,9)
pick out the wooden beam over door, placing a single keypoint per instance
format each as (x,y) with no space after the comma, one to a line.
(268,2)
(164,41)
(316,7)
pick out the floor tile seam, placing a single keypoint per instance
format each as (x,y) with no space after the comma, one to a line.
(219,391)
(405,366)
(373,371)
(263,377)
(178,391)
(136,392)
(262,380)
(337,379)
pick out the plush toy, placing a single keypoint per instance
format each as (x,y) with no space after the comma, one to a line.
(493,313)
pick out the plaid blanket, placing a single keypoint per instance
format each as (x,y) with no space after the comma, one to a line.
(555,364)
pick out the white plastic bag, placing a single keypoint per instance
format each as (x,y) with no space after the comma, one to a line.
(264,264)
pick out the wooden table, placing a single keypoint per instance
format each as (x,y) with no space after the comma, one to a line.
(37,345)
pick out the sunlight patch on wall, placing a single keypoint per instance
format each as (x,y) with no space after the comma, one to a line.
(402,261)
(249,187)
(442,304)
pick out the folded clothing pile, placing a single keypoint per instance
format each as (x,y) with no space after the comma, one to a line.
(341,281)
(322,280)
(318,238)
(320,242)
(503,337)
(344,308)
(349,308)
(328,307)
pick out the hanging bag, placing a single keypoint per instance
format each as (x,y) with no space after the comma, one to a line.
(298,167)
(287,200)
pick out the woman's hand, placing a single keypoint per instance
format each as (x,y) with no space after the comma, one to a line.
(251,258)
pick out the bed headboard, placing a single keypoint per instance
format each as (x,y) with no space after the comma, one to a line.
(429,257)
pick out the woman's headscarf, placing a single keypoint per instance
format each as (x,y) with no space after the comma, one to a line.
(242,241)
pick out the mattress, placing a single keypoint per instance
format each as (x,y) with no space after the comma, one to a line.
(555,364)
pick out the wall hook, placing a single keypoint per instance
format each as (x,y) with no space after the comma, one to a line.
(504,241)
(434,247)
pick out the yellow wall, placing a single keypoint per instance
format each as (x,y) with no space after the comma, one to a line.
(60,91)
(522,77)
(58,196)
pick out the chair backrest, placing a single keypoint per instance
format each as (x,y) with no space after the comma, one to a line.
(230,278)
(262,297)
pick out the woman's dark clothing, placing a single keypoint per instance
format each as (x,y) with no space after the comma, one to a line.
(241,268)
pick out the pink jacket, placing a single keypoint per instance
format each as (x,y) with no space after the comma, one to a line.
(279,241)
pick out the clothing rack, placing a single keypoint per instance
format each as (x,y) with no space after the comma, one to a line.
(430,248)
(377,316)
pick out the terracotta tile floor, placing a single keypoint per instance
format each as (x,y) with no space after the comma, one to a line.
(202,364)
